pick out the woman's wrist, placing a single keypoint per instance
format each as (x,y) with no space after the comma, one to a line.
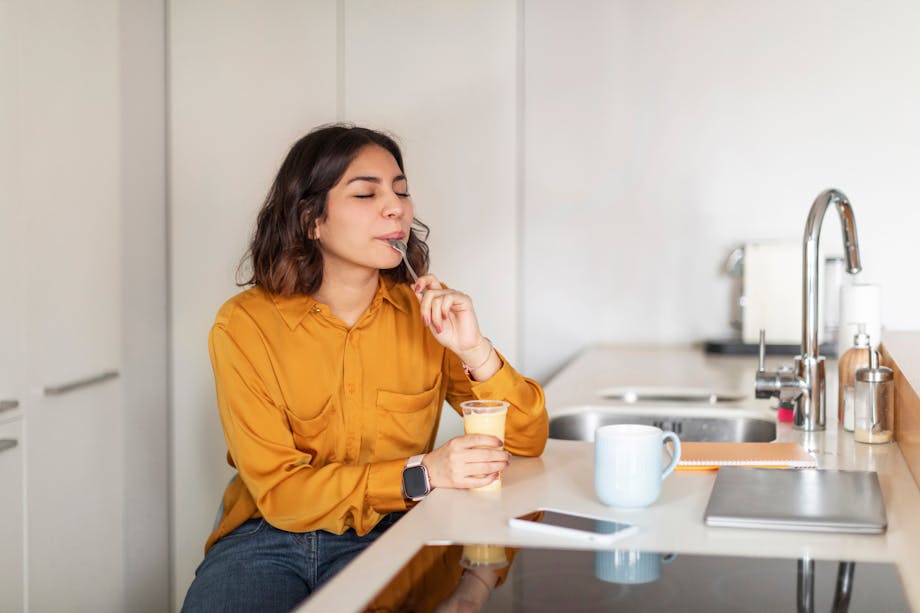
(476,357)
(484,370)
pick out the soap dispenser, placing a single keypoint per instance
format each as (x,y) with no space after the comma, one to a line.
(853,359)
(874,402)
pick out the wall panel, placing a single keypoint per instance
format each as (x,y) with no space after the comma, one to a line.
(246,80)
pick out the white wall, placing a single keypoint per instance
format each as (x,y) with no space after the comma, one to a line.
(442,78)
(245,83)
(142,76)
(660,134)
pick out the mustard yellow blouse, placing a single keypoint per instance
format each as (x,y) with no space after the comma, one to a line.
(319,419)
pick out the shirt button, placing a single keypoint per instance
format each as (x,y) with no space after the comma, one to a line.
(351,388)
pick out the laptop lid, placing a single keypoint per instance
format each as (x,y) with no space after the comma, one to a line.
(808,499)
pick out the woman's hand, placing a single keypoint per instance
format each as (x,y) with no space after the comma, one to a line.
(471,593)
(450,317)
(467,461)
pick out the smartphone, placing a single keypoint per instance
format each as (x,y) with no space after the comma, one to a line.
(575,525)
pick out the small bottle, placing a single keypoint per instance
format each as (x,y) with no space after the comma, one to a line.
(854,358)
(874,403)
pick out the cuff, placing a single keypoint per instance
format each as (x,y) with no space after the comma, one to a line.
(384,486)
(498,385)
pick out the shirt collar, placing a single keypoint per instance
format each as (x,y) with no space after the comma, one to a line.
(295,307)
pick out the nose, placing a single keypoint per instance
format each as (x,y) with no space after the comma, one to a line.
(394,208)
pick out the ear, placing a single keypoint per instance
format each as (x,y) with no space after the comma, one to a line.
(314,232)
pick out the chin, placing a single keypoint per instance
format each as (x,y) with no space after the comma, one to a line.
(391,259)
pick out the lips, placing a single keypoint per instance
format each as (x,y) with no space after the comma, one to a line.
(401,236)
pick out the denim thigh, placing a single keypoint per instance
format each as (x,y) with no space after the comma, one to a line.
(254,568)
(258,567)
(334,551)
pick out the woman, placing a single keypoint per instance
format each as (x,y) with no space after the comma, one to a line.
(331,371)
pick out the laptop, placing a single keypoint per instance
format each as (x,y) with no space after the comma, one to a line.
(807,499)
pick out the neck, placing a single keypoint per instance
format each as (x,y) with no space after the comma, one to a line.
(348,293)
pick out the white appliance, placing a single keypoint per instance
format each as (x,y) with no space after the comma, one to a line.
(771,292)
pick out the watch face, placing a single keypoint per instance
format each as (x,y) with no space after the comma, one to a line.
(415,482)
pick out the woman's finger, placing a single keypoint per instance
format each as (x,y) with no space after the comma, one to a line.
(426,283)
(469,441)
(435,313)
(425,303)
(471,482)
(485,468)
(447,304)
(487,454)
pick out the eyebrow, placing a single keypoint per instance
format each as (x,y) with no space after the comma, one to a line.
(375,179)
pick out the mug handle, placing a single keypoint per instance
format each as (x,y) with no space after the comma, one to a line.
(675,454)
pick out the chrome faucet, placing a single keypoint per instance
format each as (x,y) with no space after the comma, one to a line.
(805,382)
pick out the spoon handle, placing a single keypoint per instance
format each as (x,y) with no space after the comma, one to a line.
(409,268)
(401,247)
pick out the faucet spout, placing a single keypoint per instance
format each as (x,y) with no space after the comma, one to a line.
(810,264)
(804,384)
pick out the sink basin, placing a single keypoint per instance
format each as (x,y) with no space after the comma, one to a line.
(669,394)
(714,425)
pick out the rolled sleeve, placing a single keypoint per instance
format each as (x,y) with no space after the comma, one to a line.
(527,424)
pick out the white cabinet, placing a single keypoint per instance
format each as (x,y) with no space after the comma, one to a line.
(60,309)
(75,485)
(12,520)
(11,517)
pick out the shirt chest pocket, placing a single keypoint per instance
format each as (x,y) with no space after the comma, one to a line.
(406,422)
(315,435)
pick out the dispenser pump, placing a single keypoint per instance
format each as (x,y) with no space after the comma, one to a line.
(873,359)
(861,339)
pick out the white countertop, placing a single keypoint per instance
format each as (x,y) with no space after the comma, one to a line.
(563,478)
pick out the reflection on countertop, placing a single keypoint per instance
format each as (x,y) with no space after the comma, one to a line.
(552,580)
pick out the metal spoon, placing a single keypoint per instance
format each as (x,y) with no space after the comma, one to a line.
(400,246)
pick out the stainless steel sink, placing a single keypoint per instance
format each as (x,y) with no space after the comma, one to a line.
(670,394)
(708,426)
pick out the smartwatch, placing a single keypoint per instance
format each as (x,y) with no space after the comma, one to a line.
(415,483)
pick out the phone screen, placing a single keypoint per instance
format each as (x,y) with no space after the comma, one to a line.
(578,522)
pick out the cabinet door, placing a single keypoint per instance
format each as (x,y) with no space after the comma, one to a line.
(75,501)
(69,178)
(11,517)
(12,301)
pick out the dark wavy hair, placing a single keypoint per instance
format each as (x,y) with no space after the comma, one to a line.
(284,255)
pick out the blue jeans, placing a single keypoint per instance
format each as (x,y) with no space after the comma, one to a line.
(258,567)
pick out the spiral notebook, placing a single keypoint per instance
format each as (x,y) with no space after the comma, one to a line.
(710,456)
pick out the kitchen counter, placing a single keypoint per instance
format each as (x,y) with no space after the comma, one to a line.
(563,478)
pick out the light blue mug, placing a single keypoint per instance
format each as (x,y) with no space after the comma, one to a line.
(629,566)
(627,464)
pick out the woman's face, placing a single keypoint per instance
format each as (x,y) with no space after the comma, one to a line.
(368,205)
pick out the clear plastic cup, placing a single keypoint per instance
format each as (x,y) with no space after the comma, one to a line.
(485,417)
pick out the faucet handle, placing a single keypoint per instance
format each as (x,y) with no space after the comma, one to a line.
(766,384)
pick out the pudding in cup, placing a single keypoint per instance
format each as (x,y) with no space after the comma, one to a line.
(485,417)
